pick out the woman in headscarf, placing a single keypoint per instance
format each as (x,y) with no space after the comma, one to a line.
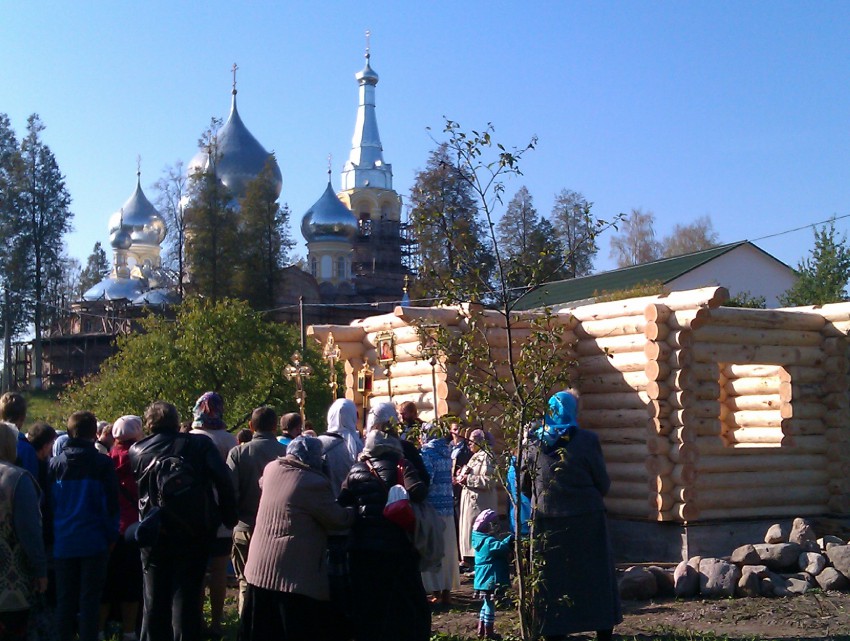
(387,586)
(566,477)
(341,442)
(208,420)
(21,545)
(124,572)
(478,482)
(437,457)
(288,596)
(383,417)
(342,420)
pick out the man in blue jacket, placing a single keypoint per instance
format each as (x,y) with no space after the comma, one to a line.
(84,497)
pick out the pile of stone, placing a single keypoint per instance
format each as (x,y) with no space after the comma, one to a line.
(788,563)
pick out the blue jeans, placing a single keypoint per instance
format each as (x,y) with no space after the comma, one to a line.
(79,585)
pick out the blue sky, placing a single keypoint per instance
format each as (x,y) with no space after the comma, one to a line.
(735,110)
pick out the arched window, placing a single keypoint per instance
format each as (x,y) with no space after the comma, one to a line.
(314,267)
(340,268)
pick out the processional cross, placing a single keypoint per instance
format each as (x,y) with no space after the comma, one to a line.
(331,353)
(298,372)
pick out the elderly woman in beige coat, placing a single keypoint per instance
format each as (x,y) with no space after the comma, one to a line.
(478,480)
(288,596)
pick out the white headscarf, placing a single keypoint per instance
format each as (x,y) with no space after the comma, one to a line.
(342,419)
(380,414)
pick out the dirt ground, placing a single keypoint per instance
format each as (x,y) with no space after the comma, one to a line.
(818,615)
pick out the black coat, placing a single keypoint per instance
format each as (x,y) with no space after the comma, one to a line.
(367,492)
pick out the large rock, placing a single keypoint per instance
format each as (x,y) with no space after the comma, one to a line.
(802,532)
(829,541)
(638,584)
(718,578)
(664,580)
(832,579)
(779,556)
(773,584)
(685,580)
(796,586)
(745,555)
(812,562)
(749,585)
(777,533)
(839,556)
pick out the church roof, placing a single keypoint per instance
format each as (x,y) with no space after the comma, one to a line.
(140,218)
(328,219)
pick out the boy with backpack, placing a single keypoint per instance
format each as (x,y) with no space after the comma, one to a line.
(177,474)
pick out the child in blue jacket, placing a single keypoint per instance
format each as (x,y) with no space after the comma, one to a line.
(491,568)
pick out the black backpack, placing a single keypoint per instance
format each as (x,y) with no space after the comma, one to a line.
(187,506)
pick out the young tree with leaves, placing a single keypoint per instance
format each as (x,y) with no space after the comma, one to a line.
(97,268)
(172,193)
(822,276)
(686,239)
(264,234)
(213,246)
(507,389)
(529,242)
(636,243)
(453,250)
(576,228)
(44,211)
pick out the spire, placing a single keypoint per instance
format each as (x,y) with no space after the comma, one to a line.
(365,166)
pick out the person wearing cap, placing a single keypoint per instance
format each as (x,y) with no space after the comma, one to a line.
(566,478)
(491,568)
(478,482)
(124,572)
(208,421)
(288,595)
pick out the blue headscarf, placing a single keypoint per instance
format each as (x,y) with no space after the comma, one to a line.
(560,419)
(208,412)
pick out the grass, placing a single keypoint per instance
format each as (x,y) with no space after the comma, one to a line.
(44,406)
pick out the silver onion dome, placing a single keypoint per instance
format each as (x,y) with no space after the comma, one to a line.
(328,219)
(121,239)
(113,288)
(367,74)
(241,157)
(138,216)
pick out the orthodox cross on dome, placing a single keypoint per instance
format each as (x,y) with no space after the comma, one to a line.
(138,165)
(368,35)
(234,69)
(330,162)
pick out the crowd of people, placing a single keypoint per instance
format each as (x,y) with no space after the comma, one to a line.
(134,521)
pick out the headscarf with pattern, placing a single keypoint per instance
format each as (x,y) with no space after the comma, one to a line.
(208,413)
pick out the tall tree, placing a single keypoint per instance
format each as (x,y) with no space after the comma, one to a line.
(529,243)
(264,234)
(46,216)
(445,219)
(686,239)
(97,268)
(822,276)
(212,241)
(172,192)
(636,243)
(577,231)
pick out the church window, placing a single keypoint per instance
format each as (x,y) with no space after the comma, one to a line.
(365,223)
(314,267)
(340,268)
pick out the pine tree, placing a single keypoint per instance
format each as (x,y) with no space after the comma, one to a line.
(264,234)
(822,277)
(45,216)
(577,231)
(445,220)
(213,247)
(529,244)
(97,268)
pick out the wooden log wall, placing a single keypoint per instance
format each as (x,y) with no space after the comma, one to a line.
(704,412)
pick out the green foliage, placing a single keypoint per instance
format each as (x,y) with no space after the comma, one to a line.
(651,288)
(222,346)
(213,246)
(822,277)
(264,235)
(577,230)
(96,269)
(529,243)
(746,299)
(455,259)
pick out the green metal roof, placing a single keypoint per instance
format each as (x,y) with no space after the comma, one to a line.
(587,287)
